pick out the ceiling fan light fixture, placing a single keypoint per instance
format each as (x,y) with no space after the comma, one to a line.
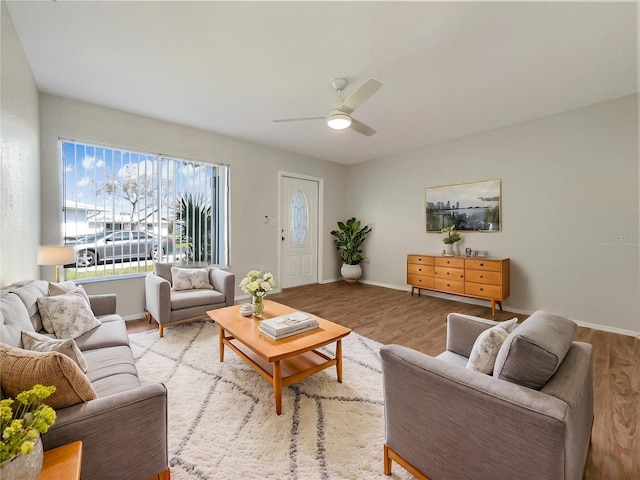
(339,121)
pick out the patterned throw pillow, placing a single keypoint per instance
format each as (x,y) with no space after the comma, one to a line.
(22,369)
(190,278)
(60,289)
(485,348)
(69,314)
(37,342)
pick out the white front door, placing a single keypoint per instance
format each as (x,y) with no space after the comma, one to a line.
(299,231)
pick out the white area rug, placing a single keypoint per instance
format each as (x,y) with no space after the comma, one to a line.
(222,418)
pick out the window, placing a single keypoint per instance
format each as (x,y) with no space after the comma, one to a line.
(123,210)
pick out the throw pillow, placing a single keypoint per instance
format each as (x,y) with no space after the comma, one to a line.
(190,278)
(486,347)
(533,353)
(69,314)
(41,343)
(60,289)
(22,369)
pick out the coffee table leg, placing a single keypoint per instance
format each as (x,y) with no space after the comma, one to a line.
(339,360)
(221,343)
(277,386)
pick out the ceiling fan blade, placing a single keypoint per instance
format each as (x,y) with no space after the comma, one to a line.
(361,95)
(299,119)
(362,128)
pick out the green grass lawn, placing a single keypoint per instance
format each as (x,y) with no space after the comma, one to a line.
(105,271)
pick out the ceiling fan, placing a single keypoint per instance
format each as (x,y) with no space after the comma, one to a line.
(340,118)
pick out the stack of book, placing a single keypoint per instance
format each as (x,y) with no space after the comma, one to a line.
(287,325)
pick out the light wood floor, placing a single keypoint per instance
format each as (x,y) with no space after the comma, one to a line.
(393,316)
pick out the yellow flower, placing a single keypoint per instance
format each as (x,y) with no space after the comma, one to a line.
(27,447)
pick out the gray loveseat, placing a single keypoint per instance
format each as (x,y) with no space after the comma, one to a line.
(168,306)
(530,419)
(124,430)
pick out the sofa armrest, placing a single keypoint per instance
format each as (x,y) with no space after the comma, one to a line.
(103,304)
(436,411)
(224,282)
(124,436)
(462,331)
(157,293)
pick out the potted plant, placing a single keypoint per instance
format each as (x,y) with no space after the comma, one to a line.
(20,428)
(349,238)
(451,238)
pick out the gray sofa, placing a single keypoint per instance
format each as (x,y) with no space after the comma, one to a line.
(170,307)
(124,430)
(530,419)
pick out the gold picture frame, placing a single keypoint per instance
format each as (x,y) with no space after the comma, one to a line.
(471,207)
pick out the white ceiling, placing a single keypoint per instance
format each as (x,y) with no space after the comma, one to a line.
(449,69)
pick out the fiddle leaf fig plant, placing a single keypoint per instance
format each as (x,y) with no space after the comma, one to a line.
(349,238)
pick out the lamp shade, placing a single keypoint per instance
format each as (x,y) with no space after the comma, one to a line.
(56,254)
(339,121)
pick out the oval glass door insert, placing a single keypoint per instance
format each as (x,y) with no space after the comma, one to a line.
(299,217)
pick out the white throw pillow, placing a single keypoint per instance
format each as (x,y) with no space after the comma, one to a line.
(69,314)
(190,278)
(60,289)
(485,348)
(37,342)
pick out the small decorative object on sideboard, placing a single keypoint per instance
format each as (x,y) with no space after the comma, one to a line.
(20,428)
(450,240)
(257,285)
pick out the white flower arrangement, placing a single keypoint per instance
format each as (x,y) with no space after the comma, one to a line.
(256,284)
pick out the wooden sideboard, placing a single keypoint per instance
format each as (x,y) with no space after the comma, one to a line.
(477,277)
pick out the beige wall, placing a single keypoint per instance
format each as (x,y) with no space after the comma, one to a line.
(569,191)
(20,162)
(254,183)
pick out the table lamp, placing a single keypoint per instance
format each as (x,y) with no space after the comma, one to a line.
(56,255)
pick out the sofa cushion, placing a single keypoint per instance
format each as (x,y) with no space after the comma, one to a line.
(533,352)
(14,318)
(22,369)
(194,298)
(111,332)
(190,278)
(112,370)
(69,314)
(29,292)
(43,343)
(485,349)
(60,289)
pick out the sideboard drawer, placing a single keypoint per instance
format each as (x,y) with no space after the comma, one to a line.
(420,259)
(482,290)
(487,265)
(421,281)
(420,269)
(449,273)
(450,262)
(453,286)
(480,276)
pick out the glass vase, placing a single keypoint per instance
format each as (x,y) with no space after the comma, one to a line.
(24,467)
(258,305)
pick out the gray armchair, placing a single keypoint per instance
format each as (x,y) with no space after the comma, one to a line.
(169,307)
(444,421)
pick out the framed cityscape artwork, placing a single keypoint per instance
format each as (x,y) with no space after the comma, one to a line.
(469,206)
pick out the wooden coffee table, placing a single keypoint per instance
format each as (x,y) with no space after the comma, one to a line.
(280,362)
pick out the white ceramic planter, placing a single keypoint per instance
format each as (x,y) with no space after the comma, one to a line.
(351,273)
